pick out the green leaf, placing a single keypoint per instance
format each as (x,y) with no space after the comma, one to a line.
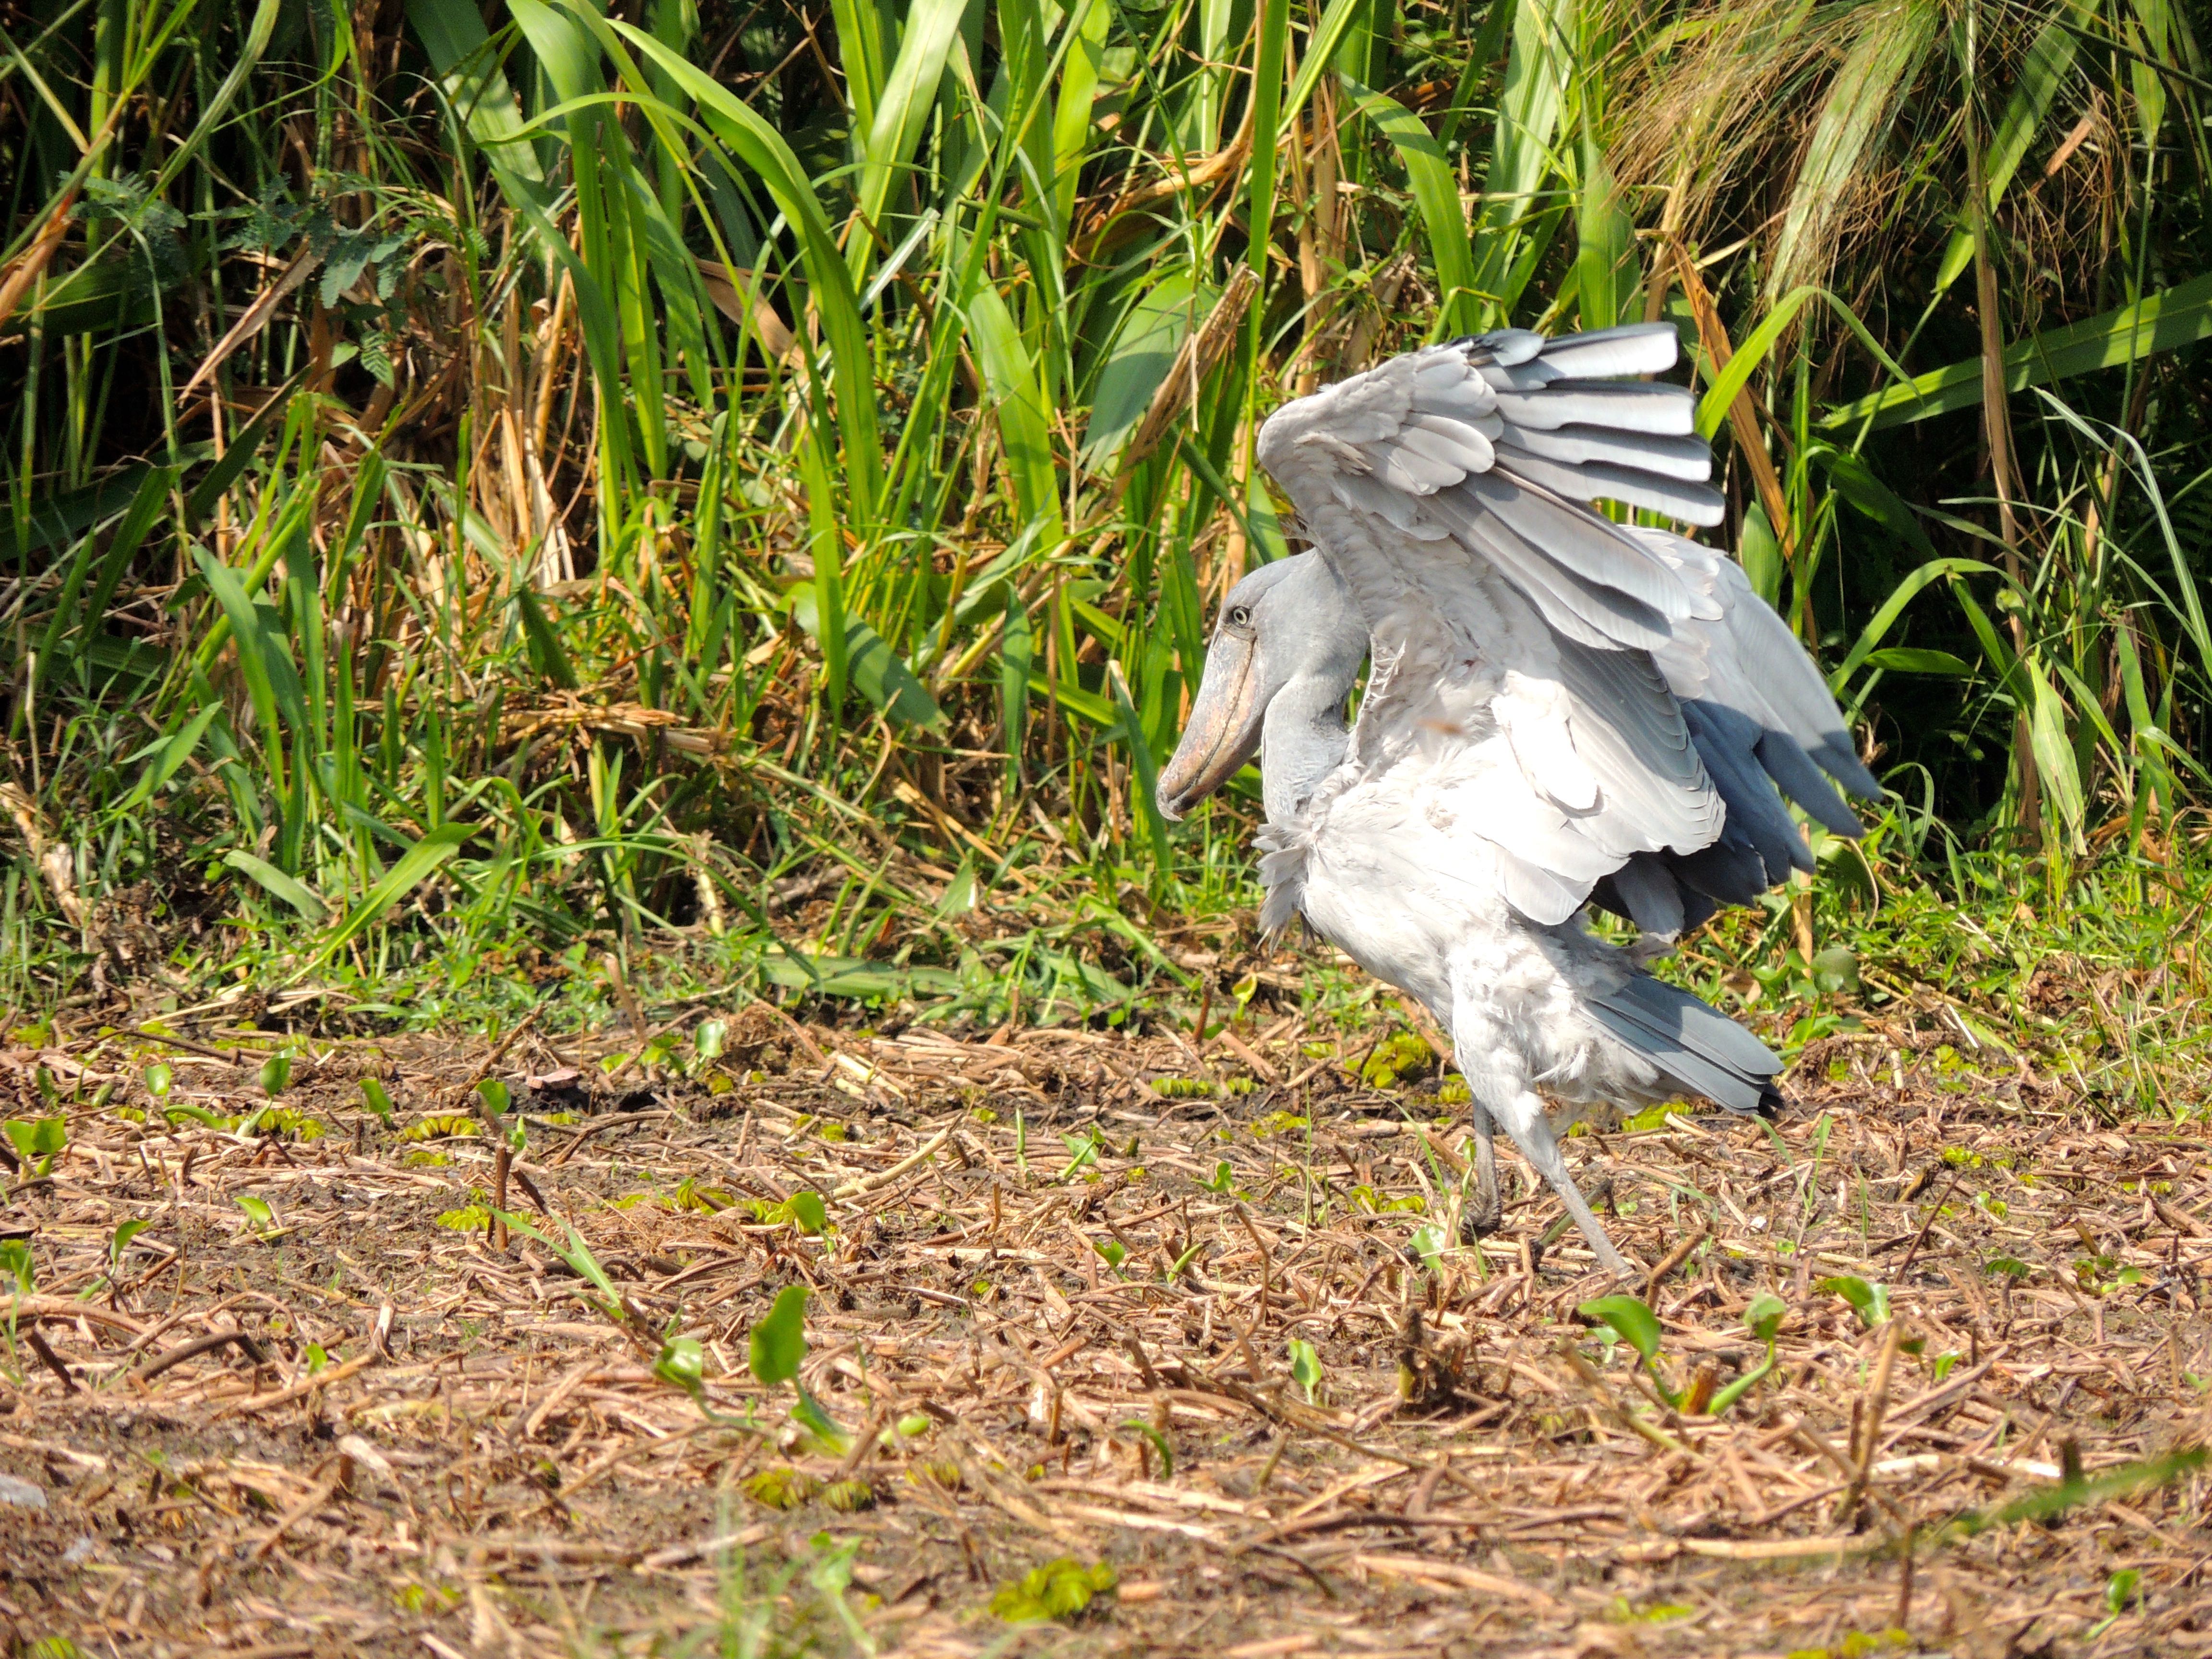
(1428,1243)
(683,1362)
(881,675)
(1019,400)
(39,1141)
(1894,607)
(1512,228)
(1145,767)
(15,1264)
(1761,555)
(1867,87)
(2120,1588)
(1160,1441)
(760,147)
(174,752)
(1764,1317)
(1713,407)
(468,65)
(415,863)
(275,1072)
(2164,321)
(547,655)
(1855,482)
(1628,1318)
(902,114)
(119,1240)
(1435,195)
(493,1091)
(708,1040)
(1145,346)
(1305,1366)
(808,1214)
(377,1098)
(1870,1301)
(1909,659)
(294,891)
(778,1344)
(257,1211)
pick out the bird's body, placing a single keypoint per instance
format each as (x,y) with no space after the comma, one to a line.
(1561,709)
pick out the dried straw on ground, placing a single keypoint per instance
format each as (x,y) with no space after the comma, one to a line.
(484,1461)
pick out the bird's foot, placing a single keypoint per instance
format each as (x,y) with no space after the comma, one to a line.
(1477,1221)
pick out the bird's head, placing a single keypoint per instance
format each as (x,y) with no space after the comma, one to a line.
(1289,624)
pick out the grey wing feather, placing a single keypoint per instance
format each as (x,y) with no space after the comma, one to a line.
(1421,442)
(1728,743)
(1695,1044)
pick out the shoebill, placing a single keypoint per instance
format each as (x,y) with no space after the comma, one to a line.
(1561,710)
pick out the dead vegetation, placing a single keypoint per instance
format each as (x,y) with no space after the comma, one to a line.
(1083,1302)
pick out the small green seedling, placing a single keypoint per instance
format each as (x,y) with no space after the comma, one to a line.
(683,1363)
(1869,1302)
(1428,1241)
(710,1039)
(1763,1319)
(159,1080)
(1113,1250)
(1305,1367)
(775,1350)
(1083,1151)
(38,1142)
(2121,1587)
(378,1099)
(1396,1058)
(804,1210)
(493,1091)
(777,1346)
(1058,1589)
(275,1073)
(1158,1442)
(119,1240)
(258,1215)
(1631,1321)
(15,1264)
(578,1254)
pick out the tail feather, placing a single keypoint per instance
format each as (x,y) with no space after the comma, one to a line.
(1694,1044)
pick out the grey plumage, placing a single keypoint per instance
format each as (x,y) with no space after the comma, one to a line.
(1562,710)
(1703,1050)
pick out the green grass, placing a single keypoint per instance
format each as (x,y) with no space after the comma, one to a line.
(676,490)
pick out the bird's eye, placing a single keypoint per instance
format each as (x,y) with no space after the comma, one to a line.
(1239,616)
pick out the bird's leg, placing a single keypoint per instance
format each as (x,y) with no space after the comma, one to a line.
(1488,1212)
(1497,1079)
(1541,1149)
(1523,1118)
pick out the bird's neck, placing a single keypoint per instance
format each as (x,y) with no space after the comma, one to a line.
(1302,740)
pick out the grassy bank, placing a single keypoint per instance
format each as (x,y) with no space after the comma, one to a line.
(515,498)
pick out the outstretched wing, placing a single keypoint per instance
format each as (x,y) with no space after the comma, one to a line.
(1763,721)
(1551,667)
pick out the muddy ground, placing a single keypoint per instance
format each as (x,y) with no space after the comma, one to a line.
(316,1405)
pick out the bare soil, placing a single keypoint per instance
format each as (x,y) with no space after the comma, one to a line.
(359,1422)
